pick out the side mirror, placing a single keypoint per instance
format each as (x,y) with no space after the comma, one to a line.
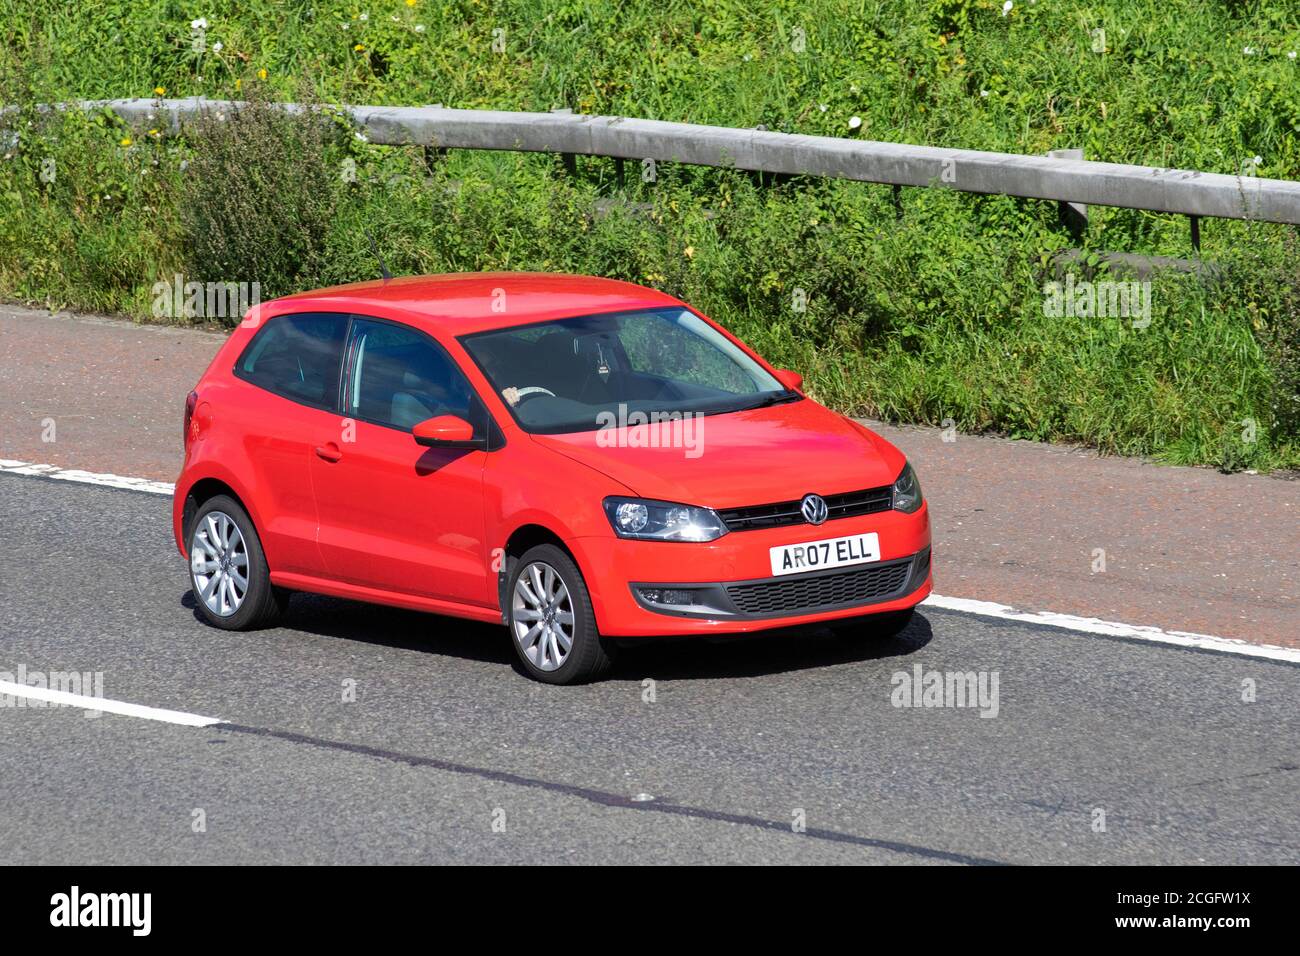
(791,380)
(446,431)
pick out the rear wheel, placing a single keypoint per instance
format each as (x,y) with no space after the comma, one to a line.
(874,627)
(550,618)
(228,571)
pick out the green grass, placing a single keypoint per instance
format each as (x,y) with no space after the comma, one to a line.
(932,317)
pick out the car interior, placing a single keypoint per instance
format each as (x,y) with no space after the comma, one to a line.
(561,376)
(298,357)
(403,383)
(556,377)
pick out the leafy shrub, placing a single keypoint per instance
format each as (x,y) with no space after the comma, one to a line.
(257,198)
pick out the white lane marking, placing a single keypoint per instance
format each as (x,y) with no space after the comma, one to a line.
(86,477)
(1092,625)
(11,689)
(1085,625)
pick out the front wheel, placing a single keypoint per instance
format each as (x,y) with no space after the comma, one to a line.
(550,618)
(228,571)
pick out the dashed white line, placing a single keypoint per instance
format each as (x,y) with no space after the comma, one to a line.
(86,477)
(104,705)
(1070,622)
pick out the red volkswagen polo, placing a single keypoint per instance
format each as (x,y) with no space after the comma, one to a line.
(577,458)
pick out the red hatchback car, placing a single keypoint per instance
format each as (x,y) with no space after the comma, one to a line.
(577,458)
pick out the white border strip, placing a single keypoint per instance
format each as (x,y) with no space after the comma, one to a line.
(1092,625)
(1084,625)
(10,689)
(86,477)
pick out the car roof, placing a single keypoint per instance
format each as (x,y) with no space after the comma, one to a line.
(462,303)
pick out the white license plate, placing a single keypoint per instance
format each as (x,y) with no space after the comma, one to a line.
(819,555)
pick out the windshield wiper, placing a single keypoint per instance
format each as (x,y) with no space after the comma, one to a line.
(775,398)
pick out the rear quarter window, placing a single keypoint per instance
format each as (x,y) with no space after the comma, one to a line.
(297,357)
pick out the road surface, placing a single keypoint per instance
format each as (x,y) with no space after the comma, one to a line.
(448,754)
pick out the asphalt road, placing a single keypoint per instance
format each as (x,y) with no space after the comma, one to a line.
(446,737)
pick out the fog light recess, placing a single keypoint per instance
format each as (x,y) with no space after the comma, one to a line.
(673,597)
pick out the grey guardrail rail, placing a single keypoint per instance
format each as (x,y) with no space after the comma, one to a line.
(1180,191)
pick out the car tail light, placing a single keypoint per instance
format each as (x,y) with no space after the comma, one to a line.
(191,401)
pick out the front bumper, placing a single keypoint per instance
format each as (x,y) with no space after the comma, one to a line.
(730,583)
(855,587)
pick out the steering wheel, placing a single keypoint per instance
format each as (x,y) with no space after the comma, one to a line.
(530,390)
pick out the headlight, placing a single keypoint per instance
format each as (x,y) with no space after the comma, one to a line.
(907,491)
(662,520)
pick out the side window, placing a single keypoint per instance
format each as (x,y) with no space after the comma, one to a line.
(297,356)
(399,377)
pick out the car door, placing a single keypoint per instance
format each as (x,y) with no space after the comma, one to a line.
(294,362)
(396,515)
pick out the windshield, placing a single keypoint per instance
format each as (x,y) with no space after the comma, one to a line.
(566,375)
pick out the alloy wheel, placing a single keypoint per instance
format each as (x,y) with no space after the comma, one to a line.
(219,563)
(542,616)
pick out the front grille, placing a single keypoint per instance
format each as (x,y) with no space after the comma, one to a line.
(838,589)
(784,513)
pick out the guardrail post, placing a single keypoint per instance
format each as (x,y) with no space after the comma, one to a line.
(433,154)
(570,159)
(1196,234)
(1073,215)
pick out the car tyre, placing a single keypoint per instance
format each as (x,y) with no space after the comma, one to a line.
(229,576)
(549,609)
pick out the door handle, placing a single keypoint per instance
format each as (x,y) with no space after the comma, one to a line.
(330,452)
